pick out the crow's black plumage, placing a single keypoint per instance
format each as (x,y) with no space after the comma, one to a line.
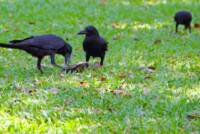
(41,46)
(183,18)
(94,45)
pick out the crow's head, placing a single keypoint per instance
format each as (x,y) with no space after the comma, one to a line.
(89,31)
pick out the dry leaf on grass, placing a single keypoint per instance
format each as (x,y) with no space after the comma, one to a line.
(26,90)
(120,91)
(197,25)
(158,41)
(31,23)
(117,25)
(103,2)
(193,115)
(122,75)
(147,77)
(149,69)
(84,84)
(103,79)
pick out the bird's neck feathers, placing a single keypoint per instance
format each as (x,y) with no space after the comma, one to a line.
(93,35)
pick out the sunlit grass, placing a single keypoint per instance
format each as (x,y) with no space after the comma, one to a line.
(140,35)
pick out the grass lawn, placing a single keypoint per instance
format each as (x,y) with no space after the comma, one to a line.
(150,82)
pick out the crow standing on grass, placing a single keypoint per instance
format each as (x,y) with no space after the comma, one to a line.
(93,45)
(41,46)
(183,18)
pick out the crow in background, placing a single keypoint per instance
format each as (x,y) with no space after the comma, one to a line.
(183,18)
(41,46)
(93,45)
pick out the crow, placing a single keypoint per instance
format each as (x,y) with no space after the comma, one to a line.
(183,18)
(41,46)
(94,45)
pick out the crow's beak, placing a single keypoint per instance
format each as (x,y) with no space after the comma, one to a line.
(82,32)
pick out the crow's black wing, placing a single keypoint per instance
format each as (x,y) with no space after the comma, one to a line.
(21,40)
(103,43)
(47,42)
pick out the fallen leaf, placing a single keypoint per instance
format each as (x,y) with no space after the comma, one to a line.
(152,68)
(158,41)
(103,79)
(117,25)
(53,90)
(122,75)
(120,91)
(62,75)
(147,77)
(103,2)
(136,39)
(193,115)
(149,69)
(31,23)
(84,84)
(196,25)
(26,90)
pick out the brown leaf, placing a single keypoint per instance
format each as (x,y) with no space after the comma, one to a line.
(103,2)
(122,75)
(147,77)
(103,78)
(84,84)
(136,39)
(118,25)
(152,68)
(26,90)
(193,116)
(31,23)
(158,41)
(196,25)
(115,25)
(120,91)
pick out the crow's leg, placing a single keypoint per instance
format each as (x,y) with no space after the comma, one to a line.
(52,56)
(186,27)
(67,60)
(87,57)
(39,64)
(102,59)
(190,29)
(177,27)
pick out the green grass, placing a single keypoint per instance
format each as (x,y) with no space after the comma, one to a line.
(159,101)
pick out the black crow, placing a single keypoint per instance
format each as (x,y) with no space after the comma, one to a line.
(94,45)
(41,46)
(183,18)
